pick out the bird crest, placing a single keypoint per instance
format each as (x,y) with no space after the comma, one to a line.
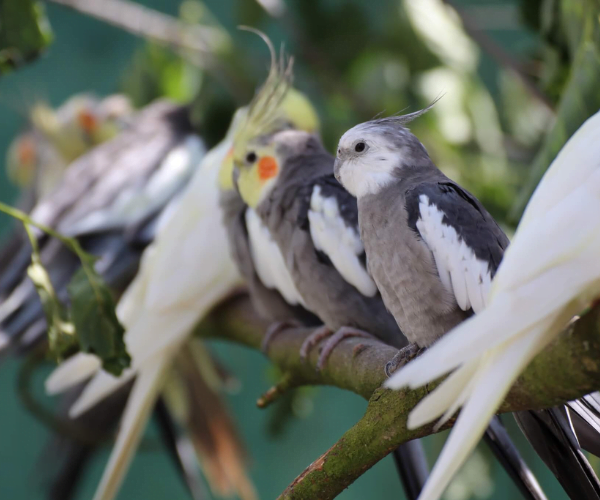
(265,114)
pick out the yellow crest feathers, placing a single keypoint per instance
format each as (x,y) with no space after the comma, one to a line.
(264,112)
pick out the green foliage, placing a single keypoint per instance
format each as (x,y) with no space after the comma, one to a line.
(156,72)
(93,315)
(579,97)
(90,323)
(24,32)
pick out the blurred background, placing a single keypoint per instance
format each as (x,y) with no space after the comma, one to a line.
(517,78)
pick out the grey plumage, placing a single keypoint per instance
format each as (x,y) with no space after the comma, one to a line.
(402,264)
(94,182)
(306,165)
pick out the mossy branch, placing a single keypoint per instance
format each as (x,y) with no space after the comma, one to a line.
(566,370)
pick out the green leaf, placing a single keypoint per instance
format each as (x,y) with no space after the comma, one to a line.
(93,314)
(90,323)
(24,32)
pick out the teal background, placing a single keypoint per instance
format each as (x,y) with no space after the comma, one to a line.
(88,55)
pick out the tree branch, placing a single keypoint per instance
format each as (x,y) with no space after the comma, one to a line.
(566,370)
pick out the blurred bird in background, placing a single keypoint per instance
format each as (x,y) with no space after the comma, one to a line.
(37,158)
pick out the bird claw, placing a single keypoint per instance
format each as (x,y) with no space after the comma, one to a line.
(405,355)
(312,340)
(274,330)
(343,333)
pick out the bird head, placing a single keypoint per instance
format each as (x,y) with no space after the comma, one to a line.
(275,107)
(22,159)
(267,158)
(373,154)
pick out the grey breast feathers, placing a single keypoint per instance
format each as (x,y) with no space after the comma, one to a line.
(316,227)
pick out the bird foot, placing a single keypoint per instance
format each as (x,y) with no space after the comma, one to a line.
(343,333)
(408,353)
(274,330)
(312,340)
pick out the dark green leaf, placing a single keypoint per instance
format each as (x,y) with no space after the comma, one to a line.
(95,320)
(24,32)
(91,321)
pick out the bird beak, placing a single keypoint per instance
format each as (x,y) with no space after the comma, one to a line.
(337,165)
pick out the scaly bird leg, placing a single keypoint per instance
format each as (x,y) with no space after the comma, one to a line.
(312,340)
(274,330)
(404,355)
(343,333)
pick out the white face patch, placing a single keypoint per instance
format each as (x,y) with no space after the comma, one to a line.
(461,272)
(367,172)
(340,243)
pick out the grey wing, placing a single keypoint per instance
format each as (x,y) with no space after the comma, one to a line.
(116,232)
(123,179)
(466,243)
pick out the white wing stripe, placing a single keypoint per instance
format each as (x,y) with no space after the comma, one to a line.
(342,244)
(460,271)
(268,260)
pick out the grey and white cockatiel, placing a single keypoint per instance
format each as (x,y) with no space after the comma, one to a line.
(102,197)
(37,158)
(287,180)
(433,251)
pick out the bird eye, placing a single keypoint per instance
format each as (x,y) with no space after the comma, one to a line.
(251,157)
(360,147)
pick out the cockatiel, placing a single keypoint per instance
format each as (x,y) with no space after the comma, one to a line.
(287,179)
(108,202)
(255,253)
(39,157)
(433,250)
(272,290)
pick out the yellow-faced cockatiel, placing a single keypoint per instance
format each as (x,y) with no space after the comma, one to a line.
(38,157)
(164,303)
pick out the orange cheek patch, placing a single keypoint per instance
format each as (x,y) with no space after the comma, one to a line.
(267,168)
(26,152)
(87,121)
